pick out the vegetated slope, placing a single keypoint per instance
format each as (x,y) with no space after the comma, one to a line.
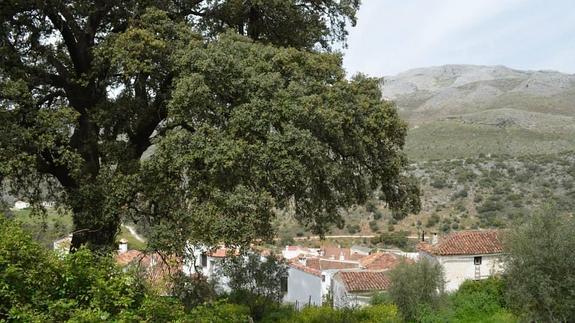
(459,111)
(471,193)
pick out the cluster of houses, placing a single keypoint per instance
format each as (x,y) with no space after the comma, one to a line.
(347,277)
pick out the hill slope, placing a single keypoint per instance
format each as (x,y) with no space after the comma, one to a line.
(459,111)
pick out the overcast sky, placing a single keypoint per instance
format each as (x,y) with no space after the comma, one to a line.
(392,36)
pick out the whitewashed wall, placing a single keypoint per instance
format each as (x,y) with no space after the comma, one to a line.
(457,269)
(303,288)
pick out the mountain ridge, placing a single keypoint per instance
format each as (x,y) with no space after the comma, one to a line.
(459,111)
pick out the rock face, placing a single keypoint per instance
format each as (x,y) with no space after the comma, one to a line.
(462,110)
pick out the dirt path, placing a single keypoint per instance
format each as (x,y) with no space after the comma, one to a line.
(134,233)
(345,237)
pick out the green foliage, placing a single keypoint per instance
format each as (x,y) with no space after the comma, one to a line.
(385,313)
(414,285)
(199,118)
(353,228)
(539,267)
(220,312)
(474,301)
(255,282)
(34,282)
(373,226)
(398,239)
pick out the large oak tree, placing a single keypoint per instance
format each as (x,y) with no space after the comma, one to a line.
(200,117)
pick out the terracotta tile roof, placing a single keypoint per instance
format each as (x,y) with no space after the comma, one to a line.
(334,253)
(222,252)
(331,264)
(313,263)
(380,261)
(309,270)
(129,256)
(466,243)
(363,281)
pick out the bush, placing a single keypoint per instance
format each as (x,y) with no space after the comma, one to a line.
(415,285)
(432,221)
(377,313)
(397,239)
(353,228)
(476,299)
(220,312)
(373,226)
(35,284)
(539,267)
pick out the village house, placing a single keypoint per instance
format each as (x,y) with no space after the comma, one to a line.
(156,268)
(310,278)
(207,261)
(465,255)
(356,288)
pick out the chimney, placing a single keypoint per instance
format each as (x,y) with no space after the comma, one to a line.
(123,246)
(423,236)
(434,240)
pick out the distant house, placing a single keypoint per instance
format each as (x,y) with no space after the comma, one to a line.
(360,250)
(356,288)
(291,252)
(156,268)
(465,255)
(20,205)
(208,261)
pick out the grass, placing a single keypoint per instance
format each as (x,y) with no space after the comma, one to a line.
(133,243)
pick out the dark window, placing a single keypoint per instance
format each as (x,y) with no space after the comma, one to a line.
(204,260)
(477,260)
(284,284)
(322,278)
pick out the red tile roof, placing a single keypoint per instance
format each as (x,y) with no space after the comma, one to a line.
(363,281)
(380,261)
(334,264)
(334,253)
(129,256)
(465,243)
(306,269)
(222,252)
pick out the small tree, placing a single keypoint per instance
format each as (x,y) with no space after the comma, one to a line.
(539,267)
(255,281)
(416,285)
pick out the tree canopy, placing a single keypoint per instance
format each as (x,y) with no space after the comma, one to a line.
(199,117)
(539,268)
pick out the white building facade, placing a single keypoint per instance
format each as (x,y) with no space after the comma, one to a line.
(466,255)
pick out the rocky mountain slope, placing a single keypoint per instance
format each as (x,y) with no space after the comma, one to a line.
(459,111)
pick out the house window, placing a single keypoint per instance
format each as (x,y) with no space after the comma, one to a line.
(284,284)
(204,260)
(323,278)
(477,261)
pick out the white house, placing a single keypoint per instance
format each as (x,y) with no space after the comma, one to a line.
(291,252)
(20,205)
(207,261)
(465,255)
(355,288)
(310,279)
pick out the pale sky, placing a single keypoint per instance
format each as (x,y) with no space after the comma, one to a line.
(392,36)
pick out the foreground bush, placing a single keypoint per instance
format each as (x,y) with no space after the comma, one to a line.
(539,277)
(378,313)
(416,285)
(474,301)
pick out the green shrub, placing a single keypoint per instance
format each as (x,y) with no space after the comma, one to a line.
(414,285)
(220,311)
